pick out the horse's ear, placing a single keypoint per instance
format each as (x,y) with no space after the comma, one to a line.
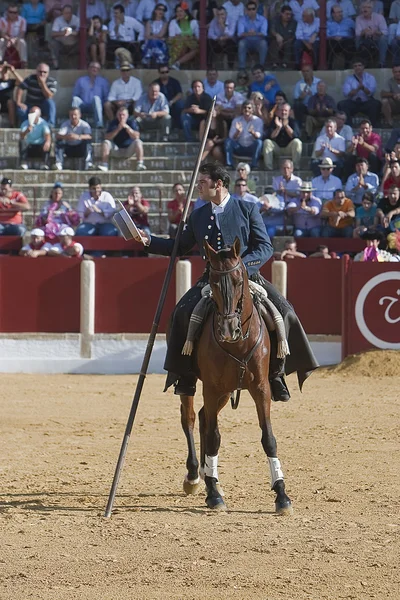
(236,247)
(209,250)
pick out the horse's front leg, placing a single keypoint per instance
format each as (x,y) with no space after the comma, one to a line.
(211,439)
(191,482)
(262,397)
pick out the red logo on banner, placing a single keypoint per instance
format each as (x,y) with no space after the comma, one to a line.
(377,310)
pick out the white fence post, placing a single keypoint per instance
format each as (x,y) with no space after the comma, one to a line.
(87,307)
(183,278)
(279,276)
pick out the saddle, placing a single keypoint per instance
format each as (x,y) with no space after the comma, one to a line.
(268,311)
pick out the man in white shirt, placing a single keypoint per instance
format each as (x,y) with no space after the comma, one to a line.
(96,209)
(307,37)
(245,137)
(304,89)
(329,145)
(64,34)
(212,85)
(234,10)
(125,32)
(228,104)
(66,246)
(326,183)
(287,185)
(124,91)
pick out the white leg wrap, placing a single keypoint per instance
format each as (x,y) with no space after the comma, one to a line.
(211,466)
(275,469)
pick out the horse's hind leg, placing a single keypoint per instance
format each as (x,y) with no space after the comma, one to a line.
(191,483)
(262,398)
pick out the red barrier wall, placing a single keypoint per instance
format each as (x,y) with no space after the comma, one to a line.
(315,290)
(371,307)
(41,294)
(127,293)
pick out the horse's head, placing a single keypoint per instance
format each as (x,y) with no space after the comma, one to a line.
(228,278)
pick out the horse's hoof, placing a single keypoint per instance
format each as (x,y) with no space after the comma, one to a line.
(216,503)
(220,490)
(191,486)
(284,508)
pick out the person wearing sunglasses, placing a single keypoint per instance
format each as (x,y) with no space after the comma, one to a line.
(12,34)
(252,33)
(172,90)
(40,89)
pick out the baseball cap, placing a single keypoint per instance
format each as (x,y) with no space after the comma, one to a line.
(38,232)
(57,184)
(66,231)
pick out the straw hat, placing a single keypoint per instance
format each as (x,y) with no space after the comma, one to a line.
(306,186)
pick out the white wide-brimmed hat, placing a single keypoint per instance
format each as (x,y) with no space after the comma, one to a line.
(306,186)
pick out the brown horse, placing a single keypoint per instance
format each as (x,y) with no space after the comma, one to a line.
(233,353)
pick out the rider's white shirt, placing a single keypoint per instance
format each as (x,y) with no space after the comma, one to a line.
(217,209)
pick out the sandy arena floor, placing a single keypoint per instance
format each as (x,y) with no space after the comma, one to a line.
(339,446)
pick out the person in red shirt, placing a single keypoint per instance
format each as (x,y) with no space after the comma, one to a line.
(366,144)
(391,176)
(138,208)
(12,205)
(175,208)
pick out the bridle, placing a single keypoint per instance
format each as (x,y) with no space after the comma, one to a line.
(239,307)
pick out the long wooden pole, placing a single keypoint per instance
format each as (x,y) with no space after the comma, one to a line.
(154,328)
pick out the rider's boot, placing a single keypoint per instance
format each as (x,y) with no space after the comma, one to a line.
(186,385)
(279,389)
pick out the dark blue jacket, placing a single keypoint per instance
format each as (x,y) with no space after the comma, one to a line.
(240,219)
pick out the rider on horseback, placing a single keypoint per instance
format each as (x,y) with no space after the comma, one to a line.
(219,222)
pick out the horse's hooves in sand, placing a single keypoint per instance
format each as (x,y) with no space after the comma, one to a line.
(284,508)
(216,503)
(192,487)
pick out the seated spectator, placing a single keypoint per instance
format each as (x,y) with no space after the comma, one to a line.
(56,213)
(122,140)
(366,215)
(329,145)
(124,92)
(389,206)
(290,251)
(305,211)
(96,209)
(283,33)
(183,40)
(194,114)
(74,140)
(221,38)
(252,31)
(391,175)
(175,208)
(394,14)
(228,104)
(272,209)
(372,252)
(371,33)
(366,144)
(299,6)
(340,35)
(12,38)
(152,111)
(7,85)
(97,34)
(138,209)
(34,14)
(172,90)
(97,8)
(342,129)
(340,213)
(90,93)
(35,139)
(320,107)
(12,205)
(155,48)
(283,137)
(37,245)
(64,34)
(287,185)
(321,252)
(245,137)
(145,9)
(391,96)
(303,90)
(326,183)
(125,32)
(66,245)
(212,85)
(241,192)
(359,89)
(266,85)
(346,6)
(215,141)
(360,182)
(377,5)
(243,170)
(234,10)
(307,37)
(269,115)
(40,89)
(242,82)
